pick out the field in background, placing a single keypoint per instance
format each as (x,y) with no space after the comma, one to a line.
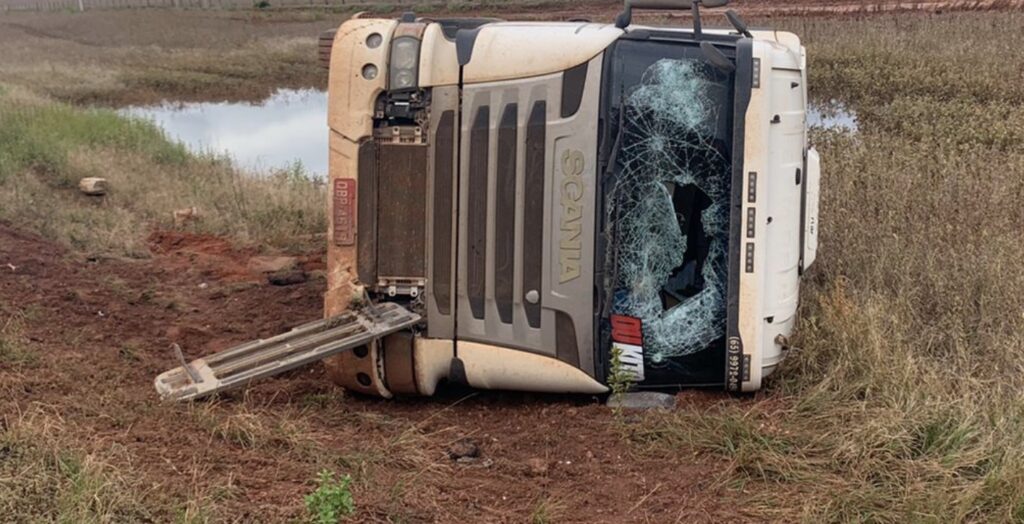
(902,402)
(48,147)
(144,56)
(137,57)
(518,7)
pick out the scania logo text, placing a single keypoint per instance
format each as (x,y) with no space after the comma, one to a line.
(570,244)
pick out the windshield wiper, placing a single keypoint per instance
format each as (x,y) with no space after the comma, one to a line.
(611,239)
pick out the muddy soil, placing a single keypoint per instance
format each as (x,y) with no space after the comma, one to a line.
(101,330)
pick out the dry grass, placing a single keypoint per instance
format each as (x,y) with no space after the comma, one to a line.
(43,478)
(401,464)
(261,428)
(145,56)
(14,350)
(133,57)
(47,474)
(903,403)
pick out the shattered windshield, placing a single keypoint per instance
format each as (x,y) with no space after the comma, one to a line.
(667,197)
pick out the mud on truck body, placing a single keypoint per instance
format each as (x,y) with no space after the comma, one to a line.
(513,203)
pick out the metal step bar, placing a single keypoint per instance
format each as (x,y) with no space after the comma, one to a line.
(240,365)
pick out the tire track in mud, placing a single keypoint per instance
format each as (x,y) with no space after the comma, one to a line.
(45,35)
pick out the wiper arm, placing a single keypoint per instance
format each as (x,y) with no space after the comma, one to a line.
(612,240)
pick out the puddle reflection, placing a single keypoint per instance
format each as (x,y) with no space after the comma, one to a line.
(832,115)
(288,127)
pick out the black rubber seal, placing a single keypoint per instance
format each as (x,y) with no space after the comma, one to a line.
(743,83)
(457,372)
(574,81)
(465,39)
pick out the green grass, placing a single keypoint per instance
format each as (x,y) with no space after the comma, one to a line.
(903,402)
(41,136)
(331,500)
(546,511)
(48,146)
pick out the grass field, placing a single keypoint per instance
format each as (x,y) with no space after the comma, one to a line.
(132,57)
(902,402)
(49,146)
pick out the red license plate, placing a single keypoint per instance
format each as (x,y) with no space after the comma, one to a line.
(345,211)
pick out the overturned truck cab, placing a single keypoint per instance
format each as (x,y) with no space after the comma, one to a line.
(548,196)
(538,206)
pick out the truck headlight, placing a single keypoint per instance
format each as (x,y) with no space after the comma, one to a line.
(403,66)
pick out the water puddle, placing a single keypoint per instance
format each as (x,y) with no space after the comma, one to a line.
(290,128)
(285,130)
(832,115)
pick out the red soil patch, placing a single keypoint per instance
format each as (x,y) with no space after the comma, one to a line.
(213,257)
(102,331)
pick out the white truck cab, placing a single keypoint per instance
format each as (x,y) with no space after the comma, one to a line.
(536,205)
(570,190)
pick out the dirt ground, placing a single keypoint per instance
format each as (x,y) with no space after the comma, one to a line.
(102,330)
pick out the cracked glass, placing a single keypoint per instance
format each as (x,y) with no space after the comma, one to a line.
(667,200)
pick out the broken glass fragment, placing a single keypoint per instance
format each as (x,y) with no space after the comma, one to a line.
(669,210)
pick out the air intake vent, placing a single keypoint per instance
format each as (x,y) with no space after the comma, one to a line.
(505,215)
(326,41)
(533,211)
(476,231)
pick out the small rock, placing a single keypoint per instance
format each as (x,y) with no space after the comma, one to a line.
(476,462)
(271,264)
(642,400)
(186,215)
(93,186)
(538,466)
(238,287)
(287,278)
(463,448)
